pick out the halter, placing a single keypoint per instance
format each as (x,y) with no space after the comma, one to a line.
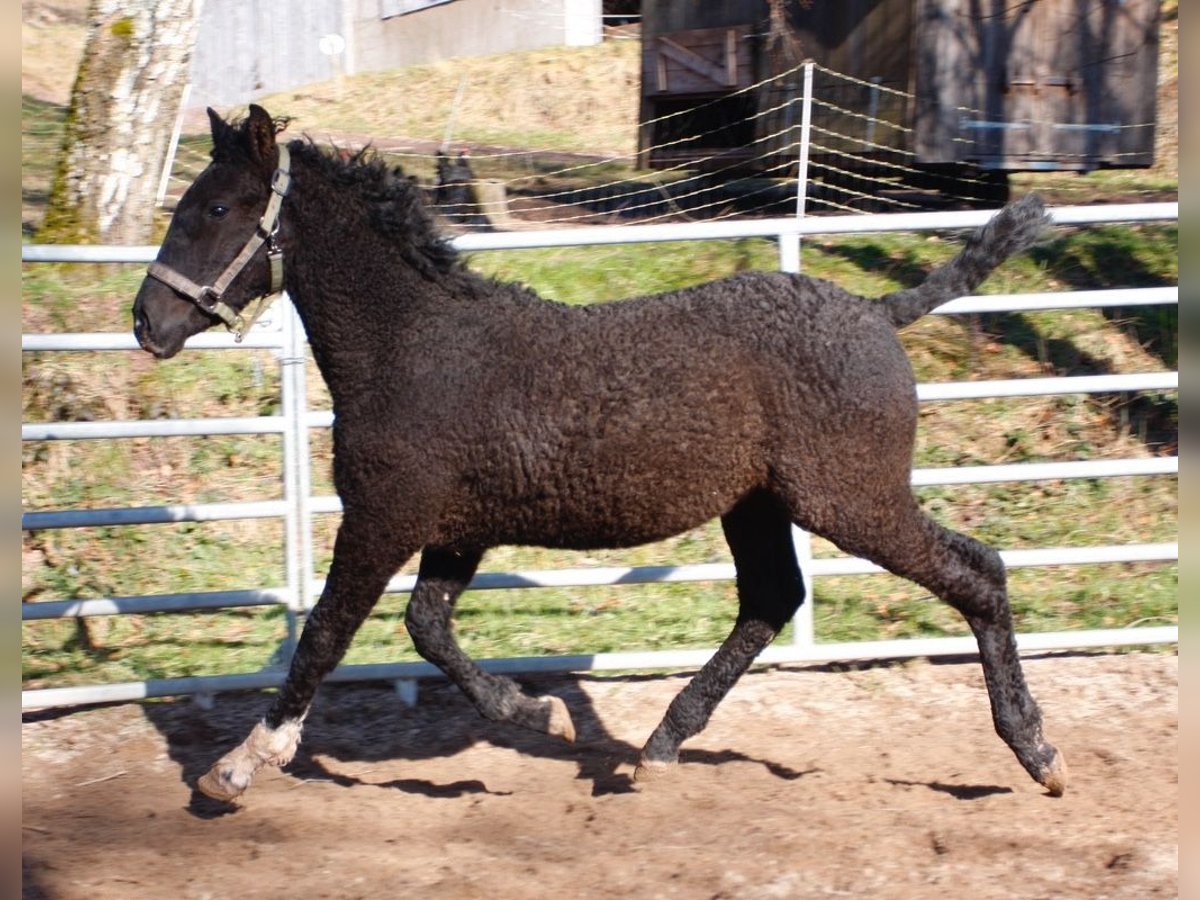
(208,297)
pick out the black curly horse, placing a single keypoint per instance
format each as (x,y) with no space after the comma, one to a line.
(470,414)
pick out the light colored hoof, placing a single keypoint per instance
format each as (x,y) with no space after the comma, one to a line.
(233,772)
(220,784)
(560,723)
(1054,776)
(649,770)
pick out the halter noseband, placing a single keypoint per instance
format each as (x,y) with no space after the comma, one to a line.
(208,297)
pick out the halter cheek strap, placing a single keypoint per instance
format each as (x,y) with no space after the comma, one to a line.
(208,297)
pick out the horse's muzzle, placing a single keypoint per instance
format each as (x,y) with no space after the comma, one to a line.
(141,331)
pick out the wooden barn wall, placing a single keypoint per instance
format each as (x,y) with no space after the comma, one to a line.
(698,61)
(1016,84)
(871,42)
(862,38)
(1055,83)
(665,16)
(247,49)
(699,27)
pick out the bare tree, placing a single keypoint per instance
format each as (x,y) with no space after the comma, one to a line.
(123,107)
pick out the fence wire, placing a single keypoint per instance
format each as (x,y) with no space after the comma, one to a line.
(861,162)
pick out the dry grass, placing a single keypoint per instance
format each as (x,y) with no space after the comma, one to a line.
(583,100)
(1166,137)
(52,38)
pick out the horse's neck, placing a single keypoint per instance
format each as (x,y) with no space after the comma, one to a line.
(353,290)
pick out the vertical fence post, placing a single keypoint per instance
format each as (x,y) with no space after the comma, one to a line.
(172,145)
(297,486)
(872,113)
(789,261)
(805,139)
(299,372)
(789,246)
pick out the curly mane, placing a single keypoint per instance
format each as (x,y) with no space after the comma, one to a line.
(397,209)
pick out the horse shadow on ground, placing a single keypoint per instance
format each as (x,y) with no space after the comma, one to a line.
(367,722)
(957,791)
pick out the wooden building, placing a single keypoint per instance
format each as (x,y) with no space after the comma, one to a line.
(248,48)
(991,85)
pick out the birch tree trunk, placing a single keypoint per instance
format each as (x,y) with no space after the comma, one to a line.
(123,107)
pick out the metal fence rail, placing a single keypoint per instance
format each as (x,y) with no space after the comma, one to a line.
(297,507)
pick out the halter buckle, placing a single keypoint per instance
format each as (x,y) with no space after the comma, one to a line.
(281,181)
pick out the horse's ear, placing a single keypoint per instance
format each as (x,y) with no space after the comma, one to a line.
(220,128)
(260,135)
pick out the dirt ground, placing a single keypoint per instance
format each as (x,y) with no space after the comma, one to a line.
(882,782)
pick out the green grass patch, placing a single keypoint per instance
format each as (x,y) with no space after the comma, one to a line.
(581,275)
(1071,598)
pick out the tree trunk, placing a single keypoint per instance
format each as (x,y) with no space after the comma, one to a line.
(123,107)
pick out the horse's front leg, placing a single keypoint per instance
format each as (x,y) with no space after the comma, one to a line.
(444,575)
(364,559)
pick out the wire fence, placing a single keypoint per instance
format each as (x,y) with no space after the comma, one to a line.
(855,135)
(298,506)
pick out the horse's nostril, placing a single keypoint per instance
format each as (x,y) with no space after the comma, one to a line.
(141,328)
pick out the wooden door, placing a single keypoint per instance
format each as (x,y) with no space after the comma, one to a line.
(1037,84)
(698,61)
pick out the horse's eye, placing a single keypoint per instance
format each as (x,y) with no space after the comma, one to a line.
(218,212)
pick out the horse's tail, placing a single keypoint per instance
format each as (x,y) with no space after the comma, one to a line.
(1011,230)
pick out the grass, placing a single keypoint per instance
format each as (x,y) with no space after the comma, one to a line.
(550,100)
(81,563)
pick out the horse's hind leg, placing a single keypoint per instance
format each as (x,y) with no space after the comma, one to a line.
(770,590)
(359,573)
(443,576)
(896,534)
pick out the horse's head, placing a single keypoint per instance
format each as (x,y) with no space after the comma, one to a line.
(219,253)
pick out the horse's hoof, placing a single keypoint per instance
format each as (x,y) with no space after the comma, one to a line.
(1053,776)
(649,770)
(559,722)
(220,784)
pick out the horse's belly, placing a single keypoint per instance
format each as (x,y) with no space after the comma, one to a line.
(623,503)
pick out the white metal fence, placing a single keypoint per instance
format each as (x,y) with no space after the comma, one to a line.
(283,334)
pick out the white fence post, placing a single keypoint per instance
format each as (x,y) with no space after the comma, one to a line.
(803,634)
(789,244)
(298,551)
(805,141)
(172,145)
